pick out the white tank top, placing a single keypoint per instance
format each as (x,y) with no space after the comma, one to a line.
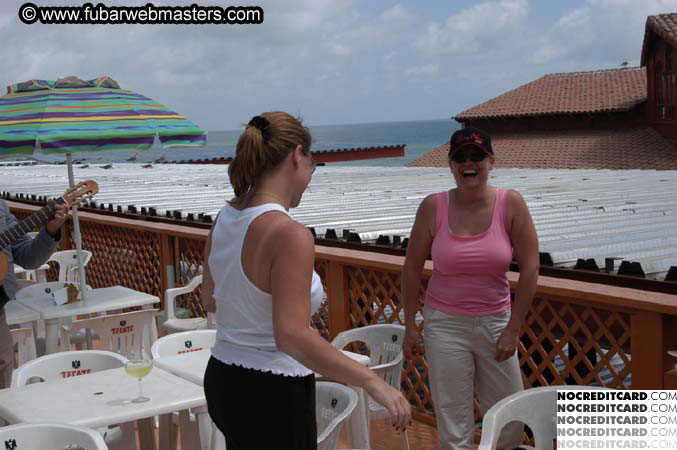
(244,313)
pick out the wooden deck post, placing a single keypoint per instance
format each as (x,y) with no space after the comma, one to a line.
(168,271)
(339,303)
(647,350)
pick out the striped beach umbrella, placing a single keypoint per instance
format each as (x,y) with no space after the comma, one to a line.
(72,115)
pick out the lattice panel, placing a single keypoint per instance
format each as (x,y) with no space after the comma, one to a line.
(189,257)
(320,319)
(564,343)
(375,297)
(122,257)
(561,343)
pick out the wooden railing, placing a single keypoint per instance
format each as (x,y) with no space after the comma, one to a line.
(575,333)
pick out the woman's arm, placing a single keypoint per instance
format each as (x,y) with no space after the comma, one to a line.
(293,255)
(525,248)
(420,240)
(207,290)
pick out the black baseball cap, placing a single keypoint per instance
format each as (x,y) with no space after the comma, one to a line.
(470,136)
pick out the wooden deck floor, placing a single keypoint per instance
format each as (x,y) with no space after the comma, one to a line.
(384,437)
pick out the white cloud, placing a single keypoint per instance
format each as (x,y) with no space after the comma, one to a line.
(600,33)
(334,61)
(421,72)
(474,28)
(397,15)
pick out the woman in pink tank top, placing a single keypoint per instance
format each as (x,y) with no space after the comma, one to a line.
(471,329)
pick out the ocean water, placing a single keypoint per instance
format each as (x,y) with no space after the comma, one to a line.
(419,137)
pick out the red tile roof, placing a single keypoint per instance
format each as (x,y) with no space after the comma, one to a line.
(639,148)
(665,26)
(567,93)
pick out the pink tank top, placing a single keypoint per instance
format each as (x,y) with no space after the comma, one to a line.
(470,272)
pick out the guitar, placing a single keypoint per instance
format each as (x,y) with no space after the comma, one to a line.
(78,193)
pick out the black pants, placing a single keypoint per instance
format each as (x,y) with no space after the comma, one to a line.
(259,410)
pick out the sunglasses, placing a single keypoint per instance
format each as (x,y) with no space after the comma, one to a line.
(476,155)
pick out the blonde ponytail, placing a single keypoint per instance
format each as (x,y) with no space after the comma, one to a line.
(265,142)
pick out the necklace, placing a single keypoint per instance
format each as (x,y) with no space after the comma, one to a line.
(272,196)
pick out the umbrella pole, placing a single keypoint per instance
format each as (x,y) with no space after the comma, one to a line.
(76,232)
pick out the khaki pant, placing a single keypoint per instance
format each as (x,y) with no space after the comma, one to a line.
(460,352)
(6,352)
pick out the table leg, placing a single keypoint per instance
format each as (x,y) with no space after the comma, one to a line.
(358,422)
(167,432)
(146,435)
(190,437)
(51,336)
(218,441)
(204,426)
(128,435)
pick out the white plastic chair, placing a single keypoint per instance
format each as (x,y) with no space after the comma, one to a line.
(68,263)
(75,363)
(121,333)
(177,343)
(334,403)
(535,407)
(25,344)
(174,325)
(187,341)
(50,436)
(385,346)
(66,364)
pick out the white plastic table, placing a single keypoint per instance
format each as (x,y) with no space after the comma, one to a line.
(191,366)
(98,300)
(102,398)
(18,314)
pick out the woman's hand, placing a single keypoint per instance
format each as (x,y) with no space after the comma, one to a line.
(393,400)
(506,345)
(412,346)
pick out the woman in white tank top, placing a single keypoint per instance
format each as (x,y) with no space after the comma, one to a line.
(260,281)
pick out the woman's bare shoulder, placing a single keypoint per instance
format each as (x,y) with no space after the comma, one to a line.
(514,198)
(429,203)
(284,233)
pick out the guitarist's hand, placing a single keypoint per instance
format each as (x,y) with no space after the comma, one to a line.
(60,216)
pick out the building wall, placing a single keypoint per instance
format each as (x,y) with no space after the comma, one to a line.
(662,88)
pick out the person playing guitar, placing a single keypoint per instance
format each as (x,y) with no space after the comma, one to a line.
(30,254)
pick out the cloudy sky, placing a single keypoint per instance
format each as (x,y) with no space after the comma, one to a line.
(342,61)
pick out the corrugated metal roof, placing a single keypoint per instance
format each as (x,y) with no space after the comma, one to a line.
(629,214)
